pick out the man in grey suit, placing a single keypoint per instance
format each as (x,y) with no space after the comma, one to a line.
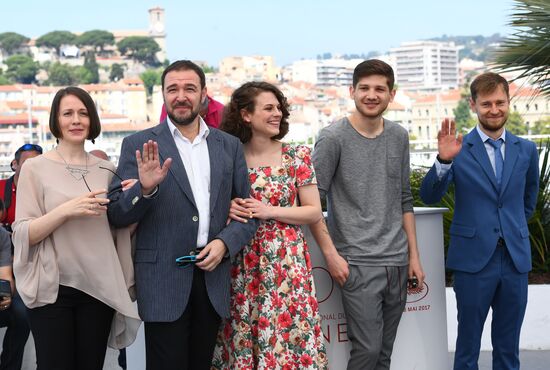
(188,173)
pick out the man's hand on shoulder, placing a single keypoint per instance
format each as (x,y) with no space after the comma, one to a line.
(213,254)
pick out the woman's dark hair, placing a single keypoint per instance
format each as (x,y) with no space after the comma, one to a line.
(86,99)
(245,98)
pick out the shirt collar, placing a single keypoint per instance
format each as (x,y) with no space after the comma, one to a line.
(203,129)
(484,137)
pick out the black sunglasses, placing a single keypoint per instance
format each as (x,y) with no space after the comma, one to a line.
(114,190)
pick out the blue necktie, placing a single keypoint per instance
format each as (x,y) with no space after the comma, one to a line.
(499,161)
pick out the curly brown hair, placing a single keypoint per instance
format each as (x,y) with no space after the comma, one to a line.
(245,98)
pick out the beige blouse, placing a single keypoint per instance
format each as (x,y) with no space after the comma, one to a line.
(84,252)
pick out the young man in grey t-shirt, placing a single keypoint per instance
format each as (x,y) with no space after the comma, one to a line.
(362,167)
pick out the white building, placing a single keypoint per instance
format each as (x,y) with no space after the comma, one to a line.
(324,72)
(426,65)
(240,69)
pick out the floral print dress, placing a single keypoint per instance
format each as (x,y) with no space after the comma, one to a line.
(275,322)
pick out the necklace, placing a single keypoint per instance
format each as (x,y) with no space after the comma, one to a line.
(77,173)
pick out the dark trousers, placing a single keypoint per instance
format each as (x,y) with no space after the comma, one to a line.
(188,342)
(17,333)
(498,286)
(72,333)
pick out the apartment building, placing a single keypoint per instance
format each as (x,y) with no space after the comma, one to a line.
(426,65)
(237,70)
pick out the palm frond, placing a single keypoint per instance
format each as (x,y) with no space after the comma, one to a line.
(527,50)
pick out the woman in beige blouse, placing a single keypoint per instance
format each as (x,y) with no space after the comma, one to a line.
(72,270)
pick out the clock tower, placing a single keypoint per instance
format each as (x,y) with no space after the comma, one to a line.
(157,30)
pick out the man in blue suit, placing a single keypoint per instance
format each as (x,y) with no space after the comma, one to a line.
(188,173)
(496,177)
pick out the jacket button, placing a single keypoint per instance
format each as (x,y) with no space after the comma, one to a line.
(496,230)
(195,218)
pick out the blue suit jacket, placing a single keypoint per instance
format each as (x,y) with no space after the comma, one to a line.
(166,228)
(482,212)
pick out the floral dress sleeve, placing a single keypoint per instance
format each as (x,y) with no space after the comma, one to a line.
(305,174)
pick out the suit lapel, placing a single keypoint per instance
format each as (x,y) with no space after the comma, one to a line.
(479,153)
(168,149)
(215,151)
(510,157)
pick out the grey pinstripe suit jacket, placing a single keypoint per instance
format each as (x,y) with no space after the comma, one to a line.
(166,229)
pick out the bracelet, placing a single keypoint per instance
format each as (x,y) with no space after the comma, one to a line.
(442,161)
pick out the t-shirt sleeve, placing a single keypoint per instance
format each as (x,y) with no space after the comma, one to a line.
(326,156)
(305,174)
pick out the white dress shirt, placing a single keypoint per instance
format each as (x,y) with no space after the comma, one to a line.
(196,161)
(442,168)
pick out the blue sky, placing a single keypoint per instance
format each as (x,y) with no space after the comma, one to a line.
(286,29)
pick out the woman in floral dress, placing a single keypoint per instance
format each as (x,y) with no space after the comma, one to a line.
(274,321)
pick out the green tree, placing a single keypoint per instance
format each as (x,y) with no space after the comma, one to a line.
(515,124)
(139,48)
(208,69)
(56,39)
(91,65)
(527,51)
(117,72)
(541,127)
(150,78)
(463,116)
(3,79)
(97,39)
(82,75)
(21,68)
(11,41)
(61,75)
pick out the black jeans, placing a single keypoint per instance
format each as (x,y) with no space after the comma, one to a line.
(17,333)
(188,342)
(72,333)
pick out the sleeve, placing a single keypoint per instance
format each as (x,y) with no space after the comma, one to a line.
(532,183)
(5,248)
(127,207)
(442,168)
(326,156)
(305,174)
(406,194)
(237,234)
(434,187)
(34,266)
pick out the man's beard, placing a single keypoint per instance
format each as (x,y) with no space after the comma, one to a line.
(183,120)
(493,127)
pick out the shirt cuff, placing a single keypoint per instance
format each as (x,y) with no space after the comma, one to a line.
(149,196)
(441,168)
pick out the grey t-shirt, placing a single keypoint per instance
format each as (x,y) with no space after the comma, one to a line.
(366,182)
(5,248)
